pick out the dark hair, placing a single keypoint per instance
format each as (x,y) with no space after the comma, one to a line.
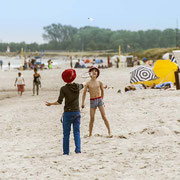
(94,68)
(126,89)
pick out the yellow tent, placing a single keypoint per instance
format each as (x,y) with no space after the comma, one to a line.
(164,69)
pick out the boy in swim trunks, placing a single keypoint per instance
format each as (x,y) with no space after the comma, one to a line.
(96,98)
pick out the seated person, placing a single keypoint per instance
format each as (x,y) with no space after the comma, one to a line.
(77,65)
(80,64)
(164,85)
(129,88)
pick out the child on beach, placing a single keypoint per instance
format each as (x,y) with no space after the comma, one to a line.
(71,109)
(96,99)
(36,82)
(20,84)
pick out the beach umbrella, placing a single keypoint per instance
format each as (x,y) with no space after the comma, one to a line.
(142,73)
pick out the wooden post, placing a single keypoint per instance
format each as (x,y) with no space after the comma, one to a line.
(176,74)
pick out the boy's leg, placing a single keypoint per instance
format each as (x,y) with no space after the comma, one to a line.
(33,88)
(92,114)
(101,109)
(37,86)
(66,132)
(76,131)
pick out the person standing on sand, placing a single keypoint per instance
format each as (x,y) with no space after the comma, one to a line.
(36,82)
(1,64)
(96,99)
(71,64)
(71,109)
(20,84)
(117,62)
(9,65)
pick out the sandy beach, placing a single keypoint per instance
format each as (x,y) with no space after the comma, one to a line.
(145,125)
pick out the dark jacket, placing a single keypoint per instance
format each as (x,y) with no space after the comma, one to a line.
(71,94)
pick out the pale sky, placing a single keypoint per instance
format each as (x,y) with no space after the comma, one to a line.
(22,20)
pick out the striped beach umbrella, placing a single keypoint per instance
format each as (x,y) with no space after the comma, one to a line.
(141,74)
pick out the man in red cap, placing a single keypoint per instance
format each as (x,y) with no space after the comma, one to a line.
(96,99)
(71,109)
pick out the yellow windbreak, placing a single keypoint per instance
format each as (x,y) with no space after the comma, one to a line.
(164,69)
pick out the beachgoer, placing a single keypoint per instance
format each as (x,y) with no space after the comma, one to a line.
(9,64)
(117,62)
(36,82)
(1,64)
(164,85)
(96,98)
(134,87)
(77,65)
(49,64)
(71,64)
(129,88)
(20,84)
(71,109)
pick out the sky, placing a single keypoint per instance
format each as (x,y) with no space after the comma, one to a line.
(22,20)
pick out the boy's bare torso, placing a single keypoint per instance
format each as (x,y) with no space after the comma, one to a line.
(94,88)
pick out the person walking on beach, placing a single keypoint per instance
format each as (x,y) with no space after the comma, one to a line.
(36,82)
(20,84)
(49,64)
(71,113)
(9,65)
(96,99)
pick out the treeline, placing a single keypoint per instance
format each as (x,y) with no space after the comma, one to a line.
(67,38)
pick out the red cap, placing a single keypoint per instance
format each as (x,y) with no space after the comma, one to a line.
(69,75)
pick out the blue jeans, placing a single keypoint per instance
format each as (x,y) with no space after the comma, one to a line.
(68,119)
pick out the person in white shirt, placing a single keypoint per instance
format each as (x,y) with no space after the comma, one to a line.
(20,84)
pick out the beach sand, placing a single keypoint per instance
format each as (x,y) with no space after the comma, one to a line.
(145,125)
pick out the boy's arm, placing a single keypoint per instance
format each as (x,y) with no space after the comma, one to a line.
(23,80)
(59,101)
(15,82)
(81,86)
(102,89)
(54,103)
(84,95)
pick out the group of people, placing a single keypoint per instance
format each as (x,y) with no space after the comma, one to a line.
(94,62)
(70,92)
(20,82)
(164,86)
(1,64)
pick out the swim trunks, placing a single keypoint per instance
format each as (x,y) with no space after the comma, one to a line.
(96,102)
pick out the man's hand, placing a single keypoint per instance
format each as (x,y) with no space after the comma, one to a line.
(48,104)
(82,106)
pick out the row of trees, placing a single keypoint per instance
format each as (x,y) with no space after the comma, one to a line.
(68,38)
